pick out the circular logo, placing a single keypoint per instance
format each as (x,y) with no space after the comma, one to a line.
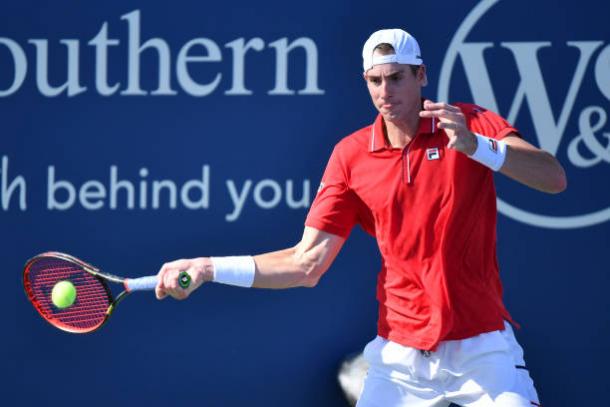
(531,92)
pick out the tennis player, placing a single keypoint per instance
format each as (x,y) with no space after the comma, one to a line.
(420,180)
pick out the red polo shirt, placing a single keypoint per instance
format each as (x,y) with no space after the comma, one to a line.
(433,212)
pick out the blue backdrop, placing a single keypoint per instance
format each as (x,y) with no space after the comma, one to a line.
(137,133)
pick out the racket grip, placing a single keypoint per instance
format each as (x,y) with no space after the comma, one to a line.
(141,284)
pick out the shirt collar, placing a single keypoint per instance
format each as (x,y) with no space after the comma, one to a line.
(378,134)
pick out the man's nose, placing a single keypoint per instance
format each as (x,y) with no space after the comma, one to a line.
(384,89)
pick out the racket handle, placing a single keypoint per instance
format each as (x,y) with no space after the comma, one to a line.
(141,284)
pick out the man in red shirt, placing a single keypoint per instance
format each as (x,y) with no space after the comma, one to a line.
(420,180)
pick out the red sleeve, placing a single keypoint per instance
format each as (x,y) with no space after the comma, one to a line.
(335,208)
(487,123)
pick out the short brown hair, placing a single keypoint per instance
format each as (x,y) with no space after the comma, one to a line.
(387,49)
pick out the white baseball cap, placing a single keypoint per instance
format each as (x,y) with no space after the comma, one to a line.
(405,47)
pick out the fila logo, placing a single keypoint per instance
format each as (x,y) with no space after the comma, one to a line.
(433,154)
(493,145)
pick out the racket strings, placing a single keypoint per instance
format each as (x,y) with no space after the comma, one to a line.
(92,297)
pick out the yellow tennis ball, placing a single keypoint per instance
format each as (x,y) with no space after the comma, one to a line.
(63,294)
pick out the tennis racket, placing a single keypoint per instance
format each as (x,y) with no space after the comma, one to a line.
(94,301)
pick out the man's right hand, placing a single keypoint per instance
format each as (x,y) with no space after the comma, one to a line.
(200,269)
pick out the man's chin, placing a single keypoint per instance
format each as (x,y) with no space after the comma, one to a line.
(390,116)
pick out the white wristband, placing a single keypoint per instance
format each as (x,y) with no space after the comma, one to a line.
(490,152)
(234,270)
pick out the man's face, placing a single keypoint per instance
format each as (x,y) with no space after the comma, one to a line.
(395,90)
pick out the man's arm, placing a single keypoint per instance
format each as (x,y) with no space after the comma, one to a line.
(301,265)
(532,166)
(298,266)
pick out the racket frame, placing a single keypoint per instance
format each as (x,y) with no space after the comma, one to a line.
(102,277)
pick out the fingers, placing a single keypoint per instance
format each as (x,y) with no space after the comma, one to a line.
(452,120)
(448,125)
(430,105)
(168,283)
(160,288)
(200,271)
(441,110)
(160,294)
(442,114)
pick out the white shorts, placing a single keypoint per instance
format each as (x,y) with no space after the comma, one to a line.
(485,370)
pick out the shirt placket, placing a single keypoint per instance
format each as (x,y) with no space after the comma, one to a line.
(406,163)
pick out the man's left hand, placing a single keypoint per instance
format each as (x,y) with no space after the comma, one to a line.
(452,120)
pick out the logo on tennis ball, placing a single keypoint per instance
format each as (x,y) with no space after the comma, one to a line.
(63,294)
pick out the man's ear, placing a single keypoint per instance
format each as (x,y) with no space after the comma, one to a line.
(422,76)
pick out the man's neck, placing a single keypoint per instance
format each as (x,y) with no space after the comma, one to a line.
(401,132)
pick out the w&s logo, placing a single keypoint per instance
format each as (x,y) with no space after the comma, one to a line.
(571,124)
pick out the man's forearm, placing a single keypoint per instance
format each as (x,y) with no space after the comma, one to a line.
(533,167)
(282,269)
